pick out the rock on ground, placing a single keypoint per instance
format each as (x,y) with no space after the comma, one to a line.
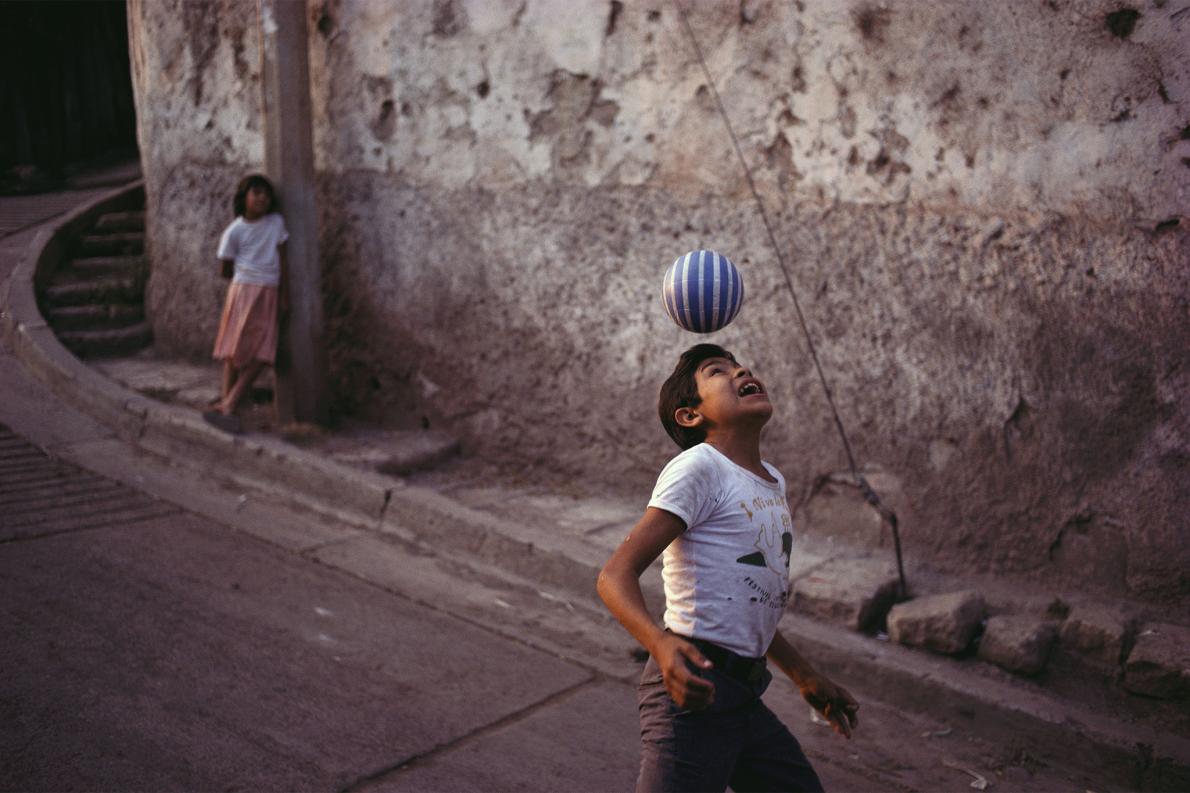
(1098,633)
(1019,644)
(942,623)
(1159,664)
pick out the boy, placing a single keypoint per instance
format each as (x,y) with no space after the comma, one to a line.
(720,515)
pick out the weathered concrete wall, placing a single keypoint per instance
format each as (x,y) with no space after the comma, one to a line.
(983,207)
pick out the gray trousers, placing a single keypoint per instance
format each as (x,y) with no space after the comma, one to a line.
(737,741)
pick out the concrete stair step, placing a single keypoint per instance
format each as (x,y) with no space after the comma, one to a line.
(110,289)
(113,341)
(92,266)
(132,220)
(118,244)
(95,317)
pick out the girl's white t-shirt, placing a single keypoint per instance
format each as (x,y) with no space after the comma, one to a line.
(253,247)
(727,575)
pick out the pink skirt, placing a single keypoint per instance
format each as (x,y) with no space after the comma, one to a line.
(248,329)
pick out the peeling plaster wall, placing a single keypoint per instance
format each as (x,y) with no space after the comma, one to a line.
(983,207)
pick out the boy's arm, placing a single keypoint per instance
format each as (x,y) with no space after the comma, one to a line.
(619,587)
(830,699)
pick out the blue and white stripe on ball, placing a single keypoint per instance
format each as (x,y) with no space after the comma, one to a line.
(702,291)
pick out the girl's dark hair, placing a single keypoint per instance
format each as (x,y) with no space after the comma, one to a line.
(681,391)
(246,184)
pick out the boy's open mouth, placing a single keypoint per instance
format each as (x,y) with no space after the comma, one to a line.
(749,388)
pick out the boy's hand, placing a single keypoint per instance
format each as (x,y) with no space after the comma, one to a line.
(675,656)
(832,701)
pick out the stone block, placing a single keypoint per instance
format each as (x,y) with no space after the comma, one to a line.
(942,623)
(1019,644)
(1159,664)
(1099,633)
(856,593)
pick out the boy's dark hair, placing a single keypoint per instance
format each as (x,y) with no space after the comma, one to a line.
(681,391)
(246,184)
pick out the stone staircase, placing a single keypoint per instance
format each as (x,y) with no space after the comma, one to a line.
(96,302)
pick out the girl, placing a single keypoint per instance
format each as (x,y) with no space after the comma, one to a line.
(252,248)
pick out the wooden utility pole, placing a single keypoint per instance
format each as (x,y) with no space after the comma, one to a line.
(301,392)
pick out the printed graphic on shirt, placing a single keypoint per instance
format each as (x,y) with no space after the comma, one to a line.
(774,544)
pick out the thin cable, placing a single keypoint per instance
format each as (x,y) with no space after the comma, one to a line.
(869,494)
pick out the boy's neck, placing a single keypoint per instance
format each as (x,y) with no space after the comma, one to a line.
(742,447)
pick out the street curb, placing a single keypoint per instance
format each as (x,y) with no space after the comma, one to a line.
(389,505)
(1014,714)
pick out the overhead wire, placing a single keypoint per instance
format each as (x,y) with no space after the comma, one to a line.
(869,493)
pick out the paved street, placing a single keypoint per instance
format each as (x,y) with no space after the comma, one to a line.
(167,653)
(40,496)
(163,652)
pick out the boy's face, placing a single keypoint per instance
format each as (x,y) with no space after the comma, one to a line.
(730,394)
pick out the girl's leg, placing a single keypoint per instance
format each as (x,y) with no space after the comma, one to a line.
(242,383)
(244,379)
(229,380)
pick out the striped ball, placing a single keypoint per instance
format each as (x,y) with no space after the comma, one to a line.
(702,291)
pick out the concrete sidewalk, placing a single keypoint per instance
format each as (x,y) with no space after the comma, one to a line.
(529,554)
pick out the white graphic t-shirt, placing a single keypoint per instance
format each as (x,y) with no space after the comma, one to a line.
(253,247)
(727,576)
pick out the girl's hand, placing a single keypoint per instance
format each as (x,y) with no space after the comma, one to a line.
(832,701)
(283,304)
(675,656)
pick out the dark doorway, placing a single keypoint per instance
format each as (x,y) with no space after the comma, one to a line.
(66,96)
